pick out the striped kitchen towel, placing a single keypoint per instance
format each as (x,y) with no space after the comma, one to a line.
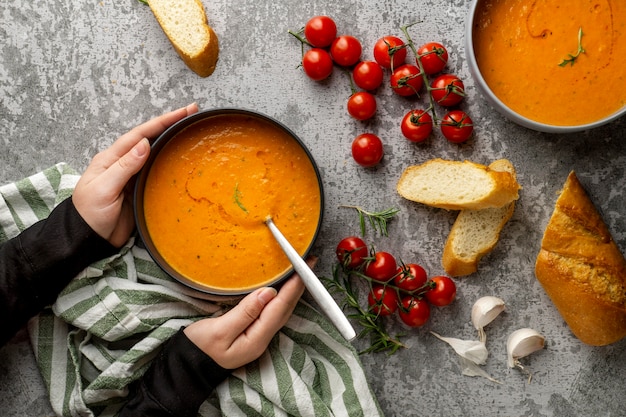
(110,321)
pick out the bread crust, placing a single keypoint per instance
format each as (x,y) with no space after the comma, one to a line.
(203,63)
(460,264)
(502,190)
(582,270)
(202,59)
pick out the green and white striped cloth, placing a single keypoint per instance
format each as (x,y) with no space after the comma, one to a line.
(109,322)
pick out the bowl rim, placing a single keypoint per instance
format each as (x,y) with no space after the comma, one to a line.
(503,108)
(138,205)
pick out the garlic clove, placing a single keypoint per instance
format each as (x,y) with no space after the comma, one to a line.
(522,343)
(484,311)
(472,350)
(469,368)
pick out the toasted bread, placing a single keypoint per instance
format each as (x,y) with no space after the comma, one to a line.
(185,25)
(456,185)
(581,268)
(476,232)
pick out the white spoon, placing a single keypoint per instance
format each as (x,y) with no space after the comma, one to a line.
(313,284)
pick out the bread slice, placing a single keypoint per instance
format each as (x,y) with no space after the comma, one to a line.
(476,232)
(185,24)
(456,185)
(582,270)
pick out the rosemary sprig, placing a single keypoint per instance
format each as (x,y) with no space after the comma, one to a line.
(572,58)
(377,219)
(381,340)
(237,198)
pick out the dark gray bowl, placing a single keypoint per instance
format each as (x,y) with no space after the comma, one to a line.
(158,144)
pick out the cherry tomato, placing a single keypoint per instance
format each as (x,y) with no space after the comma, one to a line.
(390,52)
(414,312)
(346,50)
(320,31)
(433,57)
(383,300)
(447,90)
(416,125)
(406,80)
(382,268)
(443,292)
(410,277)
(367,75)
(362,105)
(317,64)
(367,149)
(351,252)
(457,126)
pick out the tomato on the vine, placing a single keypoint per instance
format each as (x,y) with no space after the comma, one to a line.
(410,277)
(362,105)
(433,56)
(320,31)
(367,149)
(447,90)
(414,312)
(443,291)
(416,125)
(457,126)
(383,300)
(346,50)
(382,268)
(390,52)
(406,80)
(367,75)
(351,252)
(317,64)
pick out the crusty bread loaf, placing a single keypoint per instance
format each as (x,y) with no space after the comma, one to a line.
(582,270)
(185,24)
(456,185)
(476,232)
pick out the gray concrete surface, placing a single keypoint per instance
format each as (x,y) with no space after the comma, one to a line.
(74,75)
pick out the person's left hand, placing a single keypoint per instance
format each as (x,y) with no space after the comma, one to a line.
(102,195)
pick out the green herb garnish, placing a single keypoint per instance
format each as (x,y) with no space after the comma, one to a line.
(572,58)
(237,198)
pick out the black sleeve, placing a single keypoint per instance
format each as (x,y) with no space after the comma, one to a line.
(179,380)
(38,263)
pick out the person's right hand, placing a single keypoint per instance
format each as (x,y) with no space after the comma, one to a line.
(243,333)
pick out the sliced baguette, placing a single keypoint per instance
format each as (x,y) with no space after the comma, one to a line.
(185,24)
(476,232)
(582,269)
(456,185)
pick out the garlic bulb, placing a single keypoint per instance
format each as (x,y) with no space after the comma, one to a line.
(484,311)
(522,343)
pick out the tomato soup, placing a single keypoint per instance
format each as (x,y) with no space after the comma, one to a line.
(209,191)
(528,53)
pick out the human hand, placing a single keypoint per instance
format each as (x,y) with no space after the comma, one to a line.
(243,333)
(103,194)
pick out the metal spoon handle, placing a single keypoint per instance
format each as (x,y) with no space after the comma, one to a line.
(314,285)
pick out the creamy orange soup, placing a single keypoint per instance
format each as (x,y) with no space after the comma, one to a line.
(210,190)
(519,45)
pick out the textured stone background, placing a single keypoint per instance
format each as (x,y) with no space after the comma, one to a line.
(74,75)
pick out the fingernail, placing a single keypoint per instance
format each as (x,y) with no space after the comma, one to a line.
(267,294)
(141,148)
(192,108)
